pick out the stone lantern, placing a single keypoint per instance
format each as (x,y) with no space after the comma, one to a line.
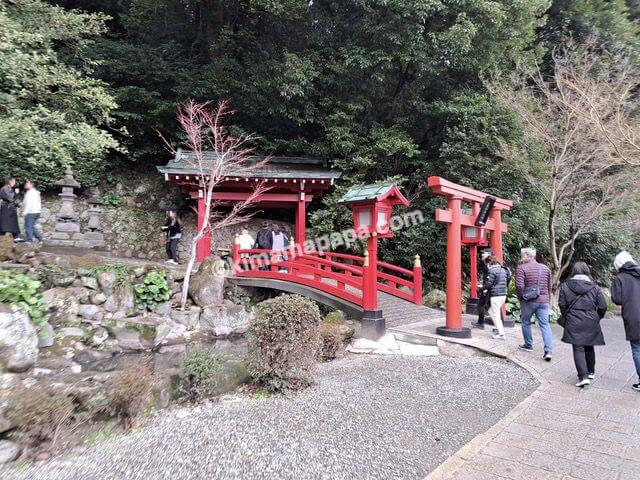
(67,226)
(95,203)
(94,237)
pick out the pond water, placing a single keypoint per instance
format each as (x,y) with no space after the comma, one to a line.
(168,357)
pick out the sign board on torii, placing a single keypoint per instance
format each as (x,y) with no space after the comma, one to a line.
(456,219)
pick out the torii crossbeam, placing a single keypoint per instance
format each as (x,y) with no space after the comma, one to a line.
(456,220)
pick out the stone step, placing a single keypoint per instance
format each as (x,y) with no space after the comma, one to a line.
(413,339)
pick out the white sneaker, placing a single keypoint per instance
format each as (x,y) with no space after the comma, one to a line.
(168,261)
(591,376)
(583,383)
(497,336)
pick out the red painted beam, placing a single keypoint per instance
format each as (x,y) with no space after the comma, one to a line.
(469,221)
(441,186)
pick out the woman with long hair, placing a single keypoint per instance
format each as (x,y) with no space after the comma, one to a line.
(582,305)
(173,231)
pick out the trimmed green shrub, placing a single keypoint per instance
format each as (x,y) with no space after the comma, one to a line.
(332,340)
(153,290)
(283,342)
(19,290)
(199,373)
(435,299)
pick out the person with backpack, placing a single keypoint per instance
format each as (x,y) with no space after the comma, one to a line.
(625,291)
(495,288)
(582,306)
(264,237)
(533,287)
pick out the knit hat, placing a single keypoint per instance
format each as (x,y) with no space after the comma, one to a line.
(622,258)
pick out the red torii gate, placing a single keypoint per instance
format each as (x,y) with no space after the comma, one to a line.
(456,219)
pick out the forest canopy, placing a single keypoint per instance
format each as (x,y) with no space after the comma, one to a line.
(380,88)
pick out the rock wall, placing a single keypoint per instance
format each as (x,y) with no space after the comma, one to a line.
(132,217)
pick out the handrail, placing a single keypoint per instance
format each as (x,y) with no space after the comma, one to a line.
(332,273)
(395,268)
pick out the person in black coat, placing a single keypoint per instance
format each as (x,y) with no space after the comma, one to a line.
(8,210)
(173,231)
(582,305)
(625,291)
(495,288)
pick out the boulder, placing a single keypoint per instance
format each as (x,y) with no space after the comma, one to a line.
(76,332)
(97,298)
(163,309)
(206,286)
(6,424)
(107,281)
(226,321)
(64,303)
(88,311)
(18,341)
(6,248)
(89,282)
(46,337)
(9,451)
(121,300)
(189,317)
(127,338)
(171,333)
(62,278)
(99,336)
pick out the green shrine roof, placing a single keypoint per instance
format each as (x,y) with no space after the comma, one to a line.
(276,167)
(375,191)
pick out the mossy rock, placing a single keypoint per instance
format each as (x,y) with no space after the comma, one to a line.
(435,299)
(335,318)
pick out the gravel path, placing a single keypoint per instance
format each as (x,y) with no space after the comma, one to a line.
(369,417)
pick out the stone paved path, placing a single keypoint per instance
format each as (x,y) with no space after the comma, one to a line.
(560,432)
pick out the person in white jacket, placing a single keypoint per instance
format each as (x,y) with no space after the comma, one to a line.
(31,209)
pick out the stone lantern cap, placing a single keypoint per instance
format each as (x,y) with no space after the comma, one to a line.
(95,198)
(67,180)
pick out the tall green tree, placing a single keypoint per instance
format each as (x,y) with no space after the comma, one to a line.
(53,113)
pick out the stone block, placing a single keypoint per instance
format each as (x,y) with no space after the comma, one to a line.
(78,236)
(67,227)
(60,236)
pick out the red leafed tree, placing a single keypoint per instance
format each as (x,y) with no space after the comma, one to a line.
(204,128)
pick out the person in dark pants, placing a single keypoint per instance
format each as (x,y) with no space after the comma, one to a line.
(264,241)
(483,298)
(582,305)
(264,237)
(8,210)
(173,230)
(625,291)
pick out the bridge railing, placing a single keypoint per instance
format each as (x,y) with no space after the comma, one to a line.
(339,274)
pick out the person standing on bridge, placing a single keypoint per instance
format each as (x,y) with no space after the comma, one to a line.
(264,237)
(625,291)
(582,305)
(495,288)
(533,286)
(279,244)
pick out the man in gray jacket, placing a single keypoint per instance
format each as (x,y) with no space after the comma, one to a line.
(533,286)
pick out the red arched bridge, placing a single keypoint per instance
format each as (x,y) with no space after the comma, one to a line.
(346,281)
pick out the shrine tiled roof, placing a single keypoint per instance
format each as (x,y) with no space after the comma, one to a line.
(276,167)
(374,191)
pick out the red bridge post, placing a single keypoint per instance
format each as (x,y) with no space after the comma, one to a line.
(236,255)
(417,280)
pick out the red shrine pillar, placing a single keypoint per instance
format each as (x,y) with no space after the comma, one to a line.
(473,260)
(495,240)
(301,220)
(453,326)
(203,248)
